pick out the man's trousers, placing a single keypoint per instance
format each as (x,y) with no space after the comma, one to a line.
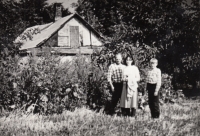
(116,95)
(153,101)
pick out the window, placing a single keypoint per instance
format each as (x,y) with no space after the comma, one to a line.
(68,36)
(63,36)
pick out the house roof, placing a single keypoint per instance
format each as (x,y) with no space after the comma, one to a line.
(35,36)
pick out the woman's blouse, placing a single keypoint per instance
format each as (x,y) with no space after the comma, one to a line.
(131,75)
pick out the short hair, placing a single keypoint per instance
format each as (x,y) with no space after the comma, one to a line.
(115,55)
(118,54)
(154,60)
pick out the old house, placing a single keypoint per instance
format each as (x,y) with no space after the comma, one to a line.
(66,36)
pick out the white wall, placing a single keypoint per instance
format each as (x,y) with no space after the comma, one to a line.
(85,33)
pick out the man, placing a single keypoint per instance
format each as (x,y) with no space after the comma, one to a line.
(114,78)
(153,84)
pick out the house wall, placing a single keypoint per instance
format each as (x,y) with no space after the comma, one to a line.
(88,37)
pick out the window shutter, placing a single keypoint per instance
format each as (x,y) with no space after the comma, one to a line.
(74,36)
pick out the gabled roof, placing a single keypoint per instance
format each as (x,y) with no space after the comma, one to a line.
(35,36)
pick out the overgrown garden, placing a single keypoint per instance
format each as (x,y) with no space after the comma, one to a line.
(166,30)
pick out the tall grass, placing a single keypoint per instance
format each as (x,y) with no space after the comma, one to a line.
(176,120)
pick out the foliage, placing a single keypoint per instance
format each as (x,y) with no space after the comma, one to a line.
(44,84)
(138,28)
(11,25)
(168,26)
(167,92)
(16,16)
(19,86)
(141,55)
(99,94)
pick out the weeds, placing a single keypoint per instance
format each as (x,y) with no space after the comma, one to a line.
(175,120)
(45,85)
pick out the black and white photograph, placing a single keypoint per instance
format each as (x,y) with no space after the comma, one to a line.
(99,67)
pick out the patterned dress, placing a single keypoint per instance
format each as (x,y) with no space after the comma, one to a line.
(129,93)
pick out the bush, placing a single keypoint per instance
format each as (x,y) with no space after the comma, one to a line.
(99,94)
(43,84)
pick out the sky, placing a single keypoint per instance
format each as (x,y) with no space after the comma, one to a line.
(66,3)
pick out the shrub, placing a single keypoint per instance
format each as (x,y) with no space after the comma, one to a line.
(99,94)
(44,84)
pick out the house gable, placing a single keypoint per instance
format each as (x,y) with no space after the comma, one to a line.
(75,34)
(68,32)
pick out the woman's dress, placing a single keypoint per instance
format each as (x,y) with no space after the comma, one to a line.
(129,95)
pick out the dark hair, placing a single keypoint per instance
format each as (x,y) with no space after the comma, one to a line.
(133,62)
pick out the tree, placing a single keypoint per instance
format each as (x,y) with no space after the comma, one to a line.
(162,24)
(49,12)
(32,10)
(16,16)
(190,61)
(11,25)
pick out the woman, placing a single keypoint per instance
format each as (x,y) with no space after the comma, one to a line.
(129,99)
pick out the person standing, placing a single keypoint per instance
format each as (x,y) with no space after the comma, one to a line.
(114,77)
(153,84)
(129,99)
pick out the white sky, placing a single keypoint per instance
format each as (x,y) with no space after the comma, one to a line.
(66,3)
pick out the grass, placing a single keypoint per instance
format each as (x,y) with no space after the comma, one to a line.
(176,120)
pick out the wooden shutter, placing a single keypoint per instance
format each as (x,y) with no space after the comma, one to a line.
(74,36)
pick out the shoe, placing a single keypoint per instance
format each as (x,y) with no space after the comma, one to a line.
(133,112)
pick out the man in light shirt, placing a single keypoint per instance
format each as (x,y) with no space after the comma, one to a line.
(153,84)
(114,78)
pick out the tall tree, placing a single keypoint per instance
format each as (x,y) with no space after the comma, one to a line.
(11,25)
(32,10)
(162,24)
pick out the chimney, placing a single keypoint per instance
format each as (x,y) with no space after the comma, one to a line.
(58,11)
